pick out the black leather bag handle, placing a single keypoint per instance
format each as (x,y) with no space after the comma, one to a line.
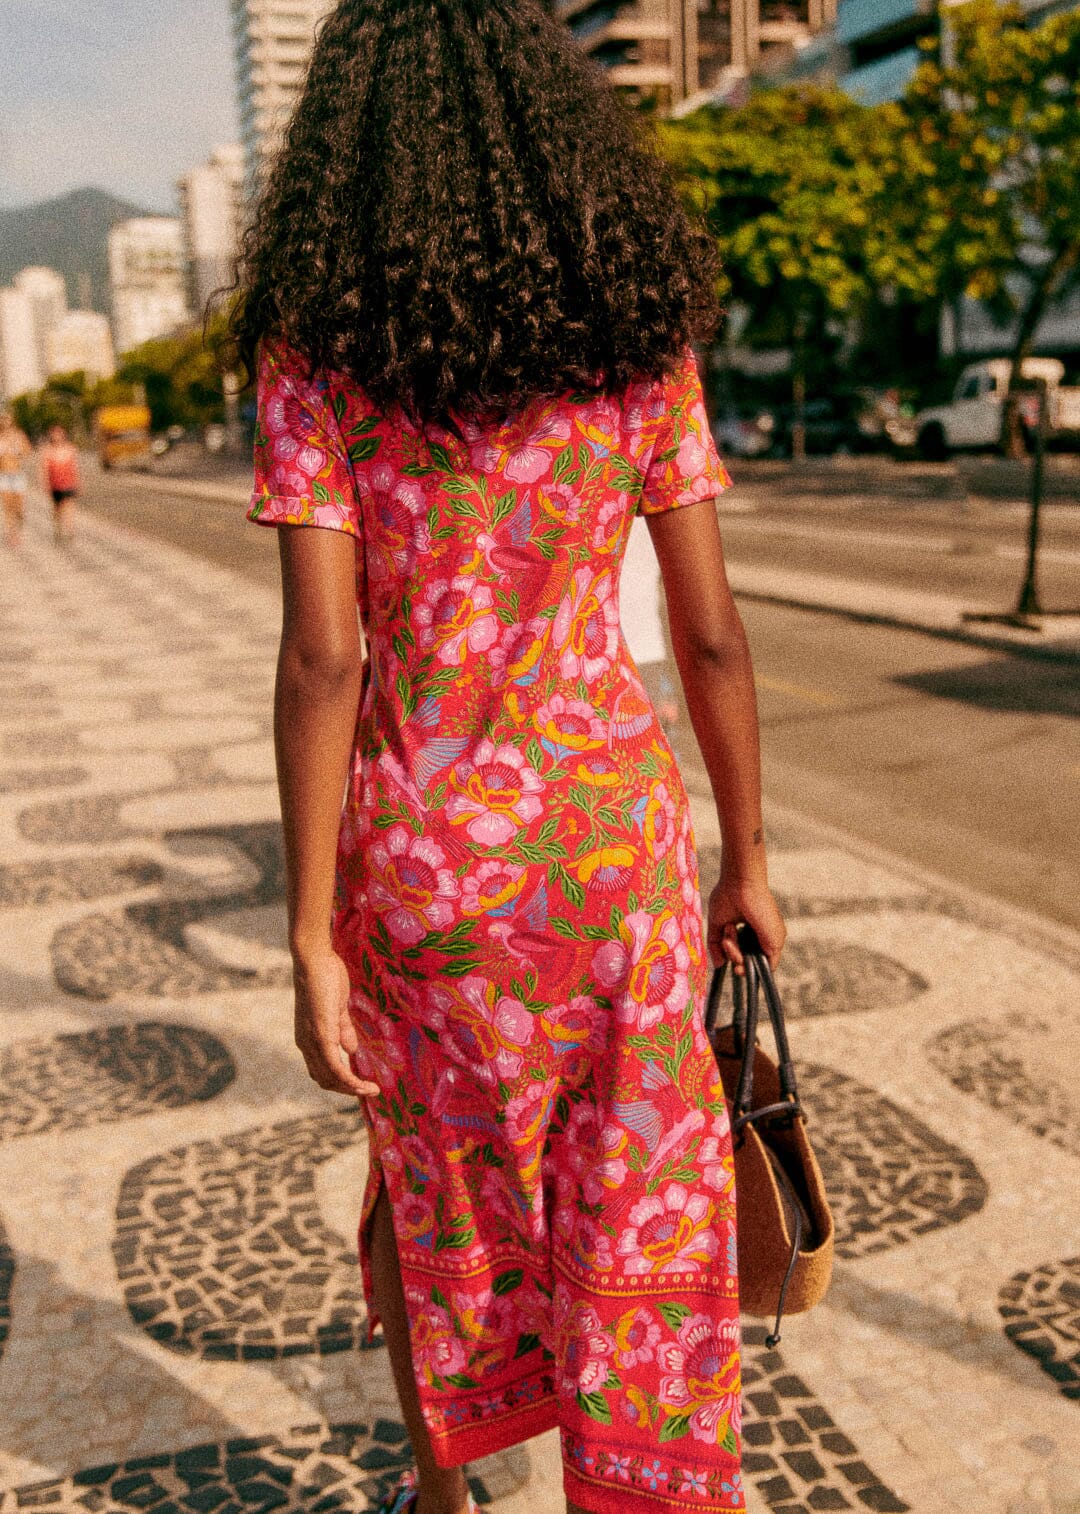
(747,991)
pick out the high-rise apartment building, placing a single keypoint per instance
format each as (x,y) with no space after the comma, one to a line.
(273,40)
(20,366)
(81,343)
(211,212)
(683,52)
(146,280)
(46,293)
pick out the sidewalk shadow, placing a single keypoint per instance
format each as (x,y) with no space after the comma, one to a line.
(1014,685)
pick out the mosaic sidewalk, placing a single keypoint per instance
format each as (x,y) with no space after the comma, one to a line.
(180,1317)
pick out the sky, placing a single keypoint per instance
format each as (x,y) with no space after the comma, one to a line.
(123,95)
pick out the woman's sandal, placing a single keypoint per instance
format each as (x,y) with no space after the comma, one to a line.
(403,1499)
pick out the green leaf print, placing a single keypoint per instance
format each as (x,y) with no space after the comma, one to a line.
(441,458)
(439,1298)
(526,1344)
(595,1406)
(571,888)
(507,1282)
(613,1380)
(361,451)
(729,1443)
(563,464)
(565,929)
(674,1314)
(503,506)
(675,1428)
(461,1380)
(616,917)
(321,492)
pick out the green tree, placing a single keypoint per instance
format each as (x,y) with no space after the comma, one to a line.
(996,123)
(793,186)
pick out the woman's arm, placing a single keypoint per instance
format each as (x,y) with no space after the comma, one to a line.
(315,710)
(718,680)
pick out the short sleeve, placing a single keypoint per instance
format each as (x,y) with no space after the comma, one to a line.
(302,471)
(680,460)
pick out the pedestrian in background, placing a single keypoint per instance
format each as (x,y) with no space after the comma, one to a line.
(470,294)
(15,450)
(60,478)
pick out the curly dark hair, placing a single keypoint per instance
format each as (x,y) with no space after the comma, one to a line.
(464,215)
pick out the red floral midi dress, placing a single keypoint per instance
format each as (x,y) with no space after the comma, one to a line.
(518,908)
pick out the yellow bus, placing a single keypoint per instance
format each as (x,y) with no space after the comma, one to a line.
(122,435)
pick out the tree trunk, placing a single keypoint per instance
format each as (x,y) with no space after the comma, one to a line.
(798,390)
(1043,290)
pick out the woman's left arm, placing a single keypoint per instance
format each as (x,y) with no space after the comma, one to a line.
(315,713)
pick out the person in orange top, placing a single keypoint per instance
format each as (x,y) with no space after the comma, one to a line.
(60,476)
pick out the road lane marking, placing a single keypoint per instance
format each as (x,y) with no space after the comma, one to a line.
(797,691)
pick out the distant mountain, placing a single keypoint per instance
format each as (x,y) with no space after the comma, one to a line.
(69,234)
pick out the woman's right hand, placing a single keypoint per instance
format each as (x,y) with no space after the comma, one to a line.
(325,1033)
(740,901)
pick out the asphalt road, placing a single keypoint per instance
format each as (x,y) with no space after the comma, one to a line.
(958,759)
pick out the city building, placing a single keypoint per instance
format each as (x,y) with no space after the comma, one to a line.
(146,280)
(211,213)
(46,293)
(20,366)
(82,342)
(683,53)
(273,41)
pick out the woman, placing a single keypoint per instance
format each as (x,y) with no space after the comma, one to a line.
(15,450)
(470,293)
(60,477)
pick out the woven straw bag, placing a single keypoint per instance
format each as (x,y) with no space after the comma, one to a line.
(784,1224)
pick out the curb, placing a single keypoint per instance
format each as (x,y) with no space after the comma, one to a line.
(1035,651)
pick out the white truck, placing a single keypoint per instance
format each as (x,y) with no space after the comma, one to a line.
(972,418)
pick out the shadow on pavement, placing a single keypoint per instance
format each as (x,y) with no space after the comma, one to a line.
(1013,684)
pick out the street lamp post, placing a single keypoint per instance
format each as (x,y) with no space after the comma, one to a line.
(1028,603)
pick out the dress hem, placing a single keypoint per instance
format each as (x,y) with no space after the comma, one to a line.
(454,1448)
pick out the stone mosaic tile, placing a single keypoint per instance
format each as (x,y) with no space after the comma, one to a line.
(223,1252)
(25,780)
(112,1073)
(142,949)
(794,1453)
(316,1469)
(75,878)
(87,819)
(40,741)
(1041,1310)
(7,1279)
(821,977)
(1015,1067)
(889,1177)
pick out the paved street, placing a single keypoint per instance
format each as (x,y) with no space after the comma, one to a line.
(179,1312)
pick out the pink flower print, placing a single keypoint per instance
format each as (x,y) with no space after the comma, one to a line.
(692,462)
(518,654)
(527,1115)
(494,794)
(669,1232)
(562,502)
(410,885)
(521,450)
(715,1158)
(596,1152)
(659,823)
(492,888)
(611,963)
(611,522)
(566,726)
(702,1376)
(608,870)
(586,628)
(283,482)
(616,1466)
(656,981)
(401,509)
(583,1347)
(437,1352)
(456,617)
(686,863)
(636,1336)
(479,1030)
(415,1220)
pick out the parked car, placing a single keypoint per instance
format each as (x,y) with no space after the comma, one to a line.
(845,423)
(745,432)
(972,419)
